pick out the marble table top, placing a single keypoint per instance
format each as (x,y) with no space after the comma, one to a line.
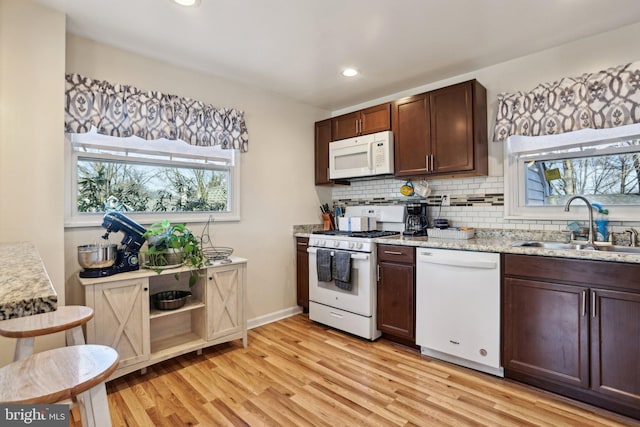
(25,287)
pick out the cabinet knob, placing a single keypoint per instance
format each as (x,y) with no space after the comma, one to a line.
(210,278)
(145,289)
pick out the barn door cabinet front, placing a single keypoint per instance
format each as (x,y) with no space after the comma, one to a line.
(121,318)
(225,303)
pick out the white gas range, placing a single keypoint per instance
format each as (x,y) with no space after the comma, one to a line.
(335,255)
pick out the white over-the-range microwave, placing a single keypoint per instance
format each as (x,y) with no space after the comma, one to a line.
(365,155)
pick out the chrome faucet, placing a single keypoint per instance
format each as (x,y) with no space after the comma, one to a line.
(633,236)
(590,238)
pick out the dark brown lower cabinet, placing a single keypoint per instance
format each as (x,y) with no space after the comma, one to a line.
(547,334)
(573,327)
(396,292)
(615,345)
(302,273)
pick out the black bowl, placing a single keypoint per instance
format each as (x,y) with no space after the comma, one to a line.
(170,300)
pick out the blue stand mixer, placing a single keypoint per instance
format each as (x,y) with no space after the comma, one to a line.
(106,260)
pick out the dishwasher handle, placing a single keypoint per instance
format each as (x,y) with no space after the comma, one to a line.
(428,258)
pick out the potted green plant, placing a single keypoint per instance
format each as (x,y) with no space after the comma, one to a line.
(171,245)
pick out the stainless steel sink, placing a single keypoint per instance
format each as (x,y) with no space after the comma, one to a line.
(578,246)
(621,249)
(554,245)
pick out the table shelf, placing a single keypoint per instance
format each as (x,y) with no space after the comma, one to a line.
(191,304)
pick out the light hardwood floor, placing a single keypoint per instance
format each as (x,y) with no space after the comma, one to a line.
(298,373)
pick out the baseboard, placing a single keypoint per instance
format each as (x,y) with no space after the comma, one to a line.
(273,317)
(499,372)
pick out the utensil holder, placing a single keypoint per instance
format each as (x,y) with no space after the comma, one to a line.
(327,222)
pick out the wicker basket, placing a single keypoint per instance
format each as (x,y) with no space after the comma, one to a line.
(216,253)
(210,252)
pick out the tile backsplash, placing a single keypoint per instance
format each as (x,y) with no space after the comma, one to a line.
(474,202)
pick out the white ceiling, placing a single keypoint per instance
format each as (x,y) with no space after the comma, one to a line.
(298,47)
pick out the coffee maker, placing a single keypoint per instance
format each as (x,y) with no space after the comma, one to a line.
(416,221)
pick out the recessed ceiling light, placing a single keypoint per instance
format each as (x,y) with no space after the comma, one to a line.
(349,72)
(188,3)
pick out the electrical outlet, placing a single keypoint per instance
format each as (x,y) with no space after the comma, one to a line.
(446,200)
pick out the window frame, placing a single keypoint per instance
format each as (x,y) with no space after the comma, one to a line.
(517,146)
(75,219)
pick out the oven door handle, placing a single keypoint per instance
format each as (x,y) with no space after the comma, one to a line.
(354,255)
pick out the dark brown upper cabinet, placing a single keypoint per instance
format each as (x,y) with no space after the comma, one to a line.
(370,120)
(442,132)
(411,135)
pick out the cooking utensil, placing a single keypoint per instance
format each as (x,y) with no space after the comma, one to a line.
(97,255)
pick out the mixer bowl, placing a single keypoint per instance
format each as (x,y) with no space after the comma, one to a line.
(97,256)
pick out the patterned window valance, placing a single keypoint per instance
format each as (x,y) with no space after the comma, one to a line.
(605,99)
(121,110)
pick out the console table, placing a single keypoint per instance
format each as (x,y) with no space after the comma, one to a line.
(126,320)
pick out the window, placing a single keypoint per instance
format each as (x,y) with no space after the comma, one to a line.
(149,180)
(542,172)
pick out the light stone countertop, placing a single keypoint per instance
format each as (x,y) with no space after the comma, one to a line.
(25,287)
(501,244)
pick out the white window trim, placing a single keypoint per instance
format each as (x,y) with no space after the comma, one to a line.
(514,186)
(75,219)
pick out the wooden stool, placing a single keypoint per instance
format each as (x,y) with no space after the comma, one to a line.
(69,318)
(63,373)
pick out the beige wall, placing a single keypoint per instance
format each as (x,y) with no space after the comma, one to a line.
(277,181)
(32,42)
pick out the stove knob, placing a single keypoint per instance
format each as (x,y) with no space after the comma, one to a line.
(359,246)
(336,243)
(351,245)
(323,243)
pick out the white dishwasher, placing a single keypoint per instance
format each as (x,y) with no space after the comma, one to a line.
(458,307)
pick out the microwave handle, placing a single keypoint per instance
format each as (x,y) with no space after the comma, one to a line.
(370,155)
